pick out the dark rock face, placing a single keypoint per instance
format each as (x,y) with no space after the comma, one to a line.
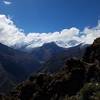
(93,52)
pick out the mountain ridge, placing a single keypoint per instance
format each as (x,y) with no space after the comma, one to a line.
(79,79)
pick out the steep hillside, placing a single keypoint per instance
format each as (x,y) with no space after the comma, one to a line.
(16,63)
(5,82)
(79,79)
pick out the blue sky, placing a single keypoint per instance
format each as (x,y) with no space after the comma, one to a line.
(61,21)
(52,15)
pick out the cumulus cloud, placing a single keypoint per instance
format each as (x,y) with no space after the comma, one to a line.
(7,2)
(9,33)
(12,36)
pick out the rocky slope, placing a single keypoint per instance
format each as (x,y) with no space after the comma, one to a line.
(79,79)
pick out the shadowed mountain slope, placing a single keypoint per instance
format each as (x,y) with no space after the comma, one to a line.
(79,79)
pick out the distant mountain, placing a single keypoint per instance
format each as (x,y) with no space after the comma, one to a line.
(47,51)
(52,56)
(50,50)
(20,64)
(16,63)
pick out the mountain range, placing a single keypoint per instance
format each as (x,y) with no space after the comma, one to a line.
(49,50)
(17,64)
(78,79)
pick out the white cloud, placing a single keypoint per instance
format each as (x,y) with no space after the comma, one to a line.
(11,35)
(7,2)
